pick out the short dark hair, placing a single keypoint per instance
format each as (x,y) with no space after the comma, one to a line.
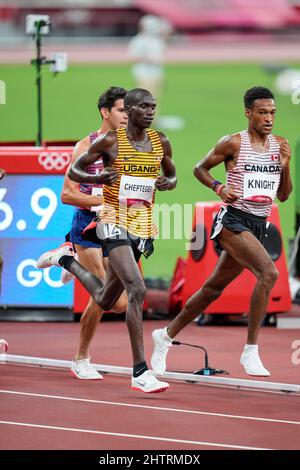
(133,96)
(110,96)
(257,93)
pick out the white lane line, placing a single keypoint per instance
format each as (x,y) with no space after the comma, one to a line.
(246,389)
(147,407)
(133,436)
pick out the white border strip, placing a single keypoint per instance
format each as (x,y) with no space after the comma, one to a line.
(240,383)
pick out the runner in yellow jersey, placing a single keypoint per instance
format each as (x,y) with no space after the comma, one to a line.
(128,203)
(133,159)
(86,198)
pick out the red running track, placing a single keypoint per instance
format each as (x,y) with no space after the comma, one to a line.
(49,409)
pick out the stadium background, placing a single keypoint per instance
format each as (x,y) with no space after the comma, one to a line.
(219,48)
(206,92)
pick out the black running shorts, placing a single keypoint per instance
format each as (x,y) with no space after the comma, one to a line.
(113,236)
(238,221)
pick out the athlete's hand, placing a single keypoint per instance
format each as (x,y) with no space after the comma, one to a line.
(227,194)
(2,173)
(108,176)
(285,153)
(162,183)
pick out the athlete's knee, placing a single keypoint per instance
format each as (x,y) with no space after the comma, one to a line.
(268,275)
(137,291)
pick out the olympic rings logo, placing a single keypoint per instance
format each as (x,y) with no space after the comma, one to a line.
(54,160)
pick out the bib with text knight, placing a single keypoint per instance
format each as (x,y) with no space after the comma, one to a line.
(260,187)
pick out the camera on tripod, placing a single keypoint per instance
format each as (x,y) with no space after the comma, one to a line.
(38,26)
(38,22)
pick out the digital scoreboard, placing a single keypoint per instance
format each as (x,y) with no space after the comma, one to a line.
(33,220)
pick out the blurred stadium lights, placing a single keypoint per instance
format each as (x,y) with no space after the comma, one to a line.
(71,3)
(254,14)
(119,18)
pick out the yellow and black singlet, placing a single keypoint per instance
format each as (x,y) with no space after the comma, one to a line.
(129,202)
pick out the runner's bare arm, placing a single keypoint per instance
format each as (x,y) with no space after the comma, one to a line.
(70,193)
(168,180)
(2,173)
(104,146)
(226,149)
(285,186)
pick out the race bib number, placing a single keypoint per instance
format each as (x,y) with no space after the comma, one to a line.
(260,188)
(136,190)
(97,192)
(110,230)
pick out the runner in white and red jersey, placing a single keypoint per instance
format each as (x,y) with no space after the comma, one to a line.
(257,164)
(87,199)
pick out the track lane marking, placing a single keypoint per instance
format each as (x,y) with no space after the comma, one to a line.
(133,436)
(148,407)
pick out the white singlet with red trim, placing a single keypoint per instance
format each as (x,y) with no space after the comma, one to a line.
(93,169)
(256,177)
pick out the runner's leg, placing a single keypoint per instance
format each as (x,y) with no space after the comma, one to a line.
(120,305)
(92,260)
(250,253)
(226,270)
(124,268)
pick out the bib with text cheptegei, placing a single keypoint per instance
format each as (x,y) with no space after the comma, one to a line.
(136,190)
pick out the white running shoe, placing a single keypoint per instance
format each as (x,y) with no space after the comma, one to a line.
(3,346)
(82,369)
(252,364)
(148,383)
(51,257)
(161,348)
